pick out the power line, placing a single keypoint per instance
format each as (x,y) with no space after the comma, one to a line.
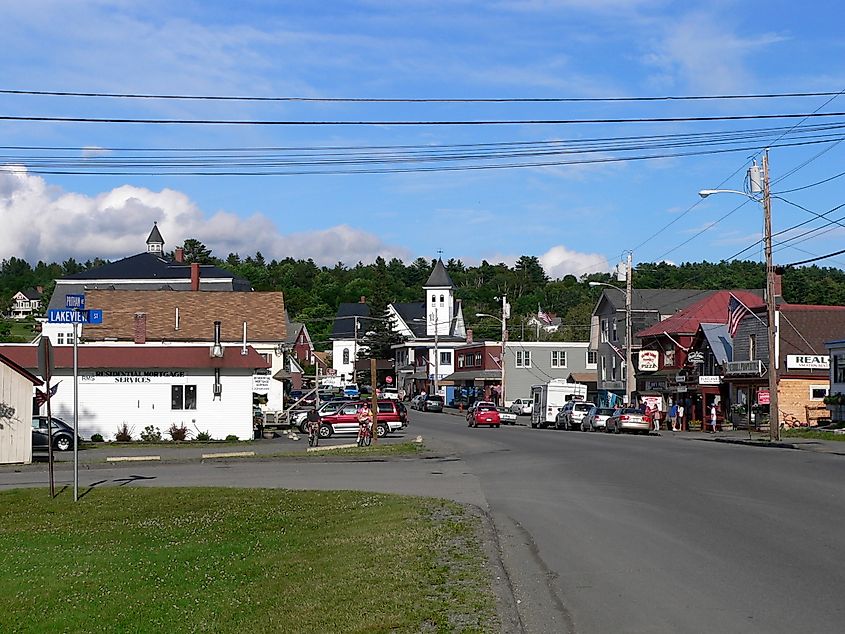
(112,95)
(405,123)
(816,259)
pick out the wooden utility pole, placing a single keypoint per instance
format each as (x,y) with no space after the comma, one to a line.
(771,309)
(374,407)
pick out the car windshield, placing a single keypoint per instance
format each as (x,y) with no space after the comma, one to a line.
(631,410)
(605,411)
(583,407)
(439,399)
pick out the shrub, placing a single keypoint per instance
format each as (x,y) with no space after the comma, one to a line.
(178,433)
(232,438)
(151,434)
(124,434)
(202,435)
(96,438)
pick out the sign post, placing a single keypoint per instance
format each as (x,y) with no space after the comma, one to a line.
(45,369)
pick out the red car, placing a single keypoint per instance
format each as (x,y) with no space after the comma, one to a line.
(485,415)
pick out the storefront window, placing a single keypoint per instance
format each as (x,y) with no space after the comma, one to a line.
(183,397)
(839,368)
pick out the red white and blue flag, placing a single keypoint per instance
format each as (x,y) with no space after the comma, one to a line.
(42,397)
(736,311)
(543,316)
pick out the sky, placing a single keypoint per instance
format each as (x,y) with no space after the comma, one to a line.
(577,218)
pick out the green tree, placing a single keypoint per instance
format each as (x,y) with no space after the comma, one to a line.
(196,251)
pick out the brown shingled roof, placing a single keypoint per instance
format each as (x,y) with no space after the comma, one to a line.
(198,310)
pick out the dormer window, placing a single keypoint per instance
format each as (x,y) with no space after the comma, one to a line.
(442,300)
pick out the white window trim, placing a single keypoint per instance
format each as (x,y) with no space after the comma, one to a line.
(555,363)
(826,389)
(593,363)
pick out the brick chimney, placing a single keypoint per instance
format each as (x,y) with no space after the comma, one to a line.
(777,287)
(469,335)
(140,328)
(179,255)
(195,276)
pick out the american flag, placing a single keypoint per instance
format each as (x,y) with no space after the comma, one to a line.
(736,311)
(43,397)
(543,316)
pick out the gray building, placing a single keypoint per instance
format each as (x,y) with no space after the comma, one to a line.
(530,363)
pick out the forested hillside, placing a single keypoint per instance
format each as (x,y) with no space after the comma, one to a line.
(312,292)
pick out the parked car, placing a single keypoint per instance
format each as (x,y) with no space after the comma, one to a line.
(596,418)
(351,390)
(300,419)
(485,415)
(431,403)
(506,416)
(62,434)
(570,415)
(478,404)
(392,416)
(628,419)
(415,402)
(522,407)
(459,401)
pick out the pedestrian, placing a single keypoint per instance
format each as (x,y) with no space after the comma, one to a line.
(313,427)
(673,416)
(658,415)
(681,417)
(713,415)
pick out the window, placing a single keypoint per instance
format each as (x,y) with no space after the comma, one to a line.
(442,300)
(613,368)
(446,358)
(461,358)
(478,359)
(818,392)
(345,356)
(592,357)
(839,368)
(268,357)
(60,339)
(604,330)
(183,397)
(615,334)
(624,368)
(752,347)
(558,358)
(523,358)
(349,410)
(603,368)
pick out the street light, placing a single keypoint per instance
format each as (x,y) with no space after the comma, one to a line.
(629,366)
(766,201)
(504,321)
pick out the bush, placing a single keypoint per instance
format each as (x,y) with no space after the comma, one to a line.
(232,438)
(202,435)
(178,433)
(124,434)
(96,438)
(151,434)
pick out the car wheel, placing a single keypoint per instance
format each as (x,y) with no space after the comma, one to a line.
(497,426)
(533,425)
(62,443)
(325,431)
(382,430)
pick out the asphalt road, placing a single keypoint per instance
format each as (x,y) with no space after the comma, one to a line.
(601,533)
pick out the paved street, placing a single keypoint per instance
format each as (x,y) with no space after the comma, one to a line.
(603,533)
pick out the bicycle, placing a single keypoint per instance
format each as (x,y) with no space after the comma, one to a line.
(365,435)
(313,435)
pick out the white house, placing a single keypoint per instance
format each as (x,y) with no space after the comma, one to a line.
(26,303)
(15,412)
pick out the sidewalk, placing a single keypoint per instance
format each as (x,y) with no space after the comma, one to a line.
(761,439)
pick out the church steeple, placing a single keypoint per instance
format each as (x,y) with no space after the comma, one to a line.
(439,301)
(155,243)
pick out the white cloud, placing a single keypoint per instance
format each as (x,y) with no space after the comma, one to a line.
(43,222)
(560,261)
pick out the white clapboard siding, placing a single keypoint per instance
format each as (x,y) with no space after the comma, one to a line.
(15,428)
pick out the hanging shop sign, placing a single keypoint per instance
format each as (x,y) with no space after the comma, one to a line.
(747,368)
(709,379)
(648,360)
(807,362)
(695,357)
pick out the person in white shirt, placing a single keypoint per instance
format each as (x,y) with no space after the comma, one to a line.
(680,417)
(713,415)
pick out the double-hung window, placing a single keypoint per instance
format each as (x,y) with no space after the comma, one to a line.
(523,358)
(558,358)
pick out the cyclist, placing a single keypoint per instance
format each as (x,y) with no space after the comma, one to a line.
(313,426)
(365,419)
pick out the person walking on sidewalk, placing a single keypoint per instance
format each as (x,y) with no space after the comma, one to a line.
(681,417)
(713,416)
(673,416)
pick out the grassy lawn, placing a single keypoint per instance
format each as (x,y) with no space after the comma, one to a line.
(227,560)
(21,331)
(812,434)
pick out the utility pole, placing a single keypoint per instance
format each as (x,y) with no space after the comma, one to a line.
(629,366)
(774,412)
(374,400)
(436,350)
(75,411)
(505,315)
(355,348)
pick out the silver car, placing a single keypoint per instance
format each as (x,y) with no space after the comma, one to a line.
(596,418)
(522,407)
(506,416)
(629,419)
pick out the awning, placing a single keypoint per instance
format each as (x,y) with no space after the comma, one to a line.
(583,377)
(476,377)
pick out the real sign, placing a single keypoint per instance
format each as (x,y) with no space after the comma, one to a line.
(807,362)
(648,361)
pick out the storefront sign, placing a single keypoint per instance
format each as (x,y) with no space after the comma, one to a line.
(762,397)
(648,360)
(655,385)
(261,382)
(749,368)
(695,357)
(131,376)
(807,362)
(709,379)
(681,389)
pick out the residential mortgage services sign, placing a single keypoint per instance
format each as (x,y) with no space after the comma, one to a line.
(131,376)
(807,362)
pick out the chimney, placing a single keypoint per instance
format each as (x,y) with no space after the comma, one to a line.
(363,300)
(140,328)
(469,335)
(195,276)
(40,289)
(777,287)
(179,255)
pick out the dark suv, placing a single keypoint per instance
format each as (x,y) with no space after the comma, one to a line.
(432,403)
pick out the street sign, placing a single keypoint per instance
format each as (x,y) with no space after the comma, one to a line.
(45,358)
(388,380)
(75,301)
(70,316)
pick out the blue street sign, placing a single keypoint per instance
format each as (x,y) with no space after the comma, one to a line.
(70,316)
(75,301)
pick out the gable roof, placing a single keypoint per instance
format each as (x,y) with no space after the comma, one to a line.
(803,325)
(719,340)
(344,322)
(32,293)
(263,312)
(712,308)
(665,301)
(145,266)
(155,236)
(20,369)
(439,277)
(414,315)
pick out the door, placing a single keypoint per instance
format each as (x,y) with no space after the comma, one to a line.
(346,419)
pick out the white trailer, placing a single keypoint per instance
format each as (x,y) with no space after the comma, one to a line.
(549,397)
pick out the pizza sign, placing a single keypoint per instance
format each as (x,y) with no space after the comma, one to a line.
(648,361)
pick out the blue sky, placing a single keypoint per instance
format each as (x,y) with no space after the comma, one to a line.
(576,218)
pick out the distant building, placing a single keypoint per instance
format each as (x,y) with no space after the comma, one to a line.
(26,303)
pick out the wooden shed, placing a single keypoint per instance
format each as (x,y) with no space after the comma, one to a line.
(15,412)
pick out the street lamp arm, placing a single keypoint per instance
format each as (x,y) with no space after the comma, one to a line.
(704,193)
(605,284)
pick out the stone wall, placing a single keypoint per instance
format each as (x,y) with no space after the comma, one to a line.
(794,397)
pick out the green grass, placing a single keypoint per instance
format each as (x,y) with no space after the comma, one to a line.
(812,434)
(380,449)
(235,560)
(21,331)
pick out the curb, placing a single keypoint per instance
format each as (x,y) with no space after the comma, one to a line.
(330,447)
(230,454)
(131,458)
